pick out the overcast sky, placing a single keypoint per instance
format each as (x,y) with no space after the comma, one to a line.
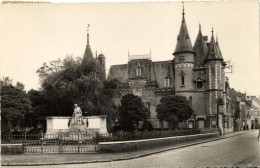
(32,34)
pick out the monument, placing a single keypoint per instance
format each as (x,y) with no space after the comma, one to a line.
(77,124)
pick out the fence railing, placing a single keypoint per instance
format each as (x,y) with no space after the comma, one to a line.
(83,137)
(37,138)
(20,137)
(125,136)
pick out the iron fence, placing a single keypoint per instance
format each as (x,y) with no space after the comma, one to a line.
(61,147)
(19,137)
(125,136)
(53,143)
(67,142)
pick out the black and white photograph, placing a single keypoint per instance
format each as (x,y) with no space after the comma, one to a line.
(130,84)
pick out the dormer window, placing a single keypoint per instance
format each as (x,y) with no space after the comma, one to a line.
(138,70)
(199,82)
(166,81)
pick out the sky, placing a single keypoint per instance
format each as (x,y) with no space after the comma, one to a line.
(31,34)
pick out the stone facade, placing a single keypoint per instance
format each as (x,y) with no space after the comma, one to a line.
(254,112)
(196,72)
(155,81)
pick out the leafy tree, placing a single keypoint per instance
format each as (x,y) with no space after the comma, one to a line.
(15,104)
(19,86)
(174,109)
(69,85)
(77,82)
(132,110)
(6,81)
(45,70)
(40,110)
(106,105)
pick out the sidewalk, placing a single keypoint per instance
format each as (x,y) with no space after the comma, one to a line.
(54,159)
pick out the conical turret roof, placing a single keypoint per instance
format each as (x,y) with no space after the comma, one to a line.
(218,49)
(213,52)
(88,55)
(200,49)
(183,40)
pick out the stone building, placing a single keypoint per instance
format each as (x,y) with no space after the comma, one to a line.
(196,72)
(254,112)
(231,108)
(245,110)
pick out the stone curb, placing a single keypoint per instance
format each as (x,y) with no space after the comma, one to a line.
(119,159)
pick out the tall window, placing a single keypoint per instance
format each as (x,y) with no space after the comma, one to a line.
(138,70)
(166,81)
(182,78)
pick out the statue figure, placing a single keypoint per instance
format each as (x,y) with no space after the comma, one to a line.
(77,118)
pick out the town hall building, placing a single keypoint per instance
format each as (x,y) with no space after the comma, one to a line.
(196,72)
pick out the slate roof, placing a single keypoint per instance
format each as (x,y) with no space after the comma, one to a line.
(213,51)
(219,51)
(88,55)
(200,49)
(153,72)
(183,39)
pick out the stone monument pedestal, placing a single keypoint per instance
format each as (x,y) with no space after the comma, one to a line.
(58,127)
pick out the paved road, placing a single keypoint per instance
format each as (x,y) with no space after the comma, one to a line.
(243,150)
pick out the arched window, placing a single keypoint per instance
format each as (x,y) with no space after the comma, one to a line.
(166,81)
(138,70)
(182,78)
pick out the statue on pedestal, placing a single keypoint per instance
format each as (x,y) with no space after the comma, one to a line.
(76,121)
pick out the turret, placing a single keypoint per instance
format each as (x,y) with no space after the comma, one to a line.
(88,55)
(184,59)
(201,49)
(102,61)
(183,39)
(215,75)
(214,53)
